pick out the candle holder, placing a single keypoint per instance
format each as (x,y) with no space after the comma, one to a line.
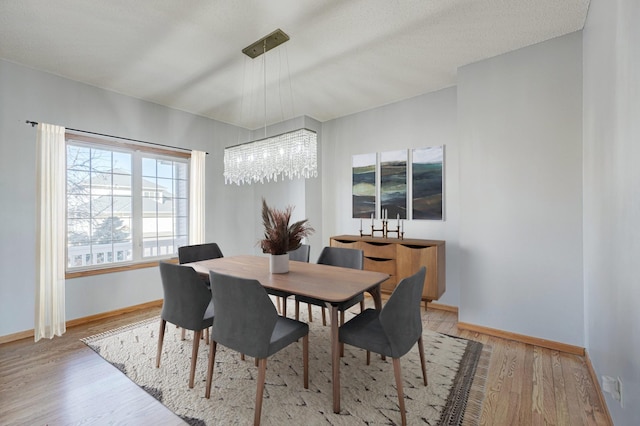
(383,230)
(397,231)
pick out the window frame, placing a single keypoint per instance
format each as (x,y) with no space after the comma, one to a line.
(136,175)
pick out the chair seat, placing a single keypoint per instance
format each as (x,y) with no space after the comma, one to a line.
(365,331)
(341,306)
(286,331)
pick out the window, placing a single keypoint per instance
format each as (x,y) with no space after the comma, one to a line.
(125,204)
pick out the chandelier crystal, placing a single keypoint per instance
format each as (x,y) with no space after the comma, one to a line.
(292,155)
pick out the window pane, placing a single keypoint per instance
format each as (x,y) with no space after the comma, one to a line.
(102,202)
(101,183)
(181,206)
(78,206)
(122,163)
(165,169)
(78,182)
(180,188)
(165,186)
(121,184)
(181,171)
(101,160)
(78,232)
(149,167)
(78,158)
(122,207)
(181,226)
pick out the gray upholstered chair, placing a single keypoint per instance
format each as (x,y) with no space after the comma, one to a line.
(187,304)
(301,254)
(247,321)
(197,252)
(393,330)
(336,256)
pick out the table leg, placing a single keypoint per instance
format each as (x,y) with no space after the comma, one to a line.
(377,296)
(335,359)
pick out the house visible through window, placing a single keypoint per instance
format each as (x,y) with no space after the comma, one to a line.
(125,204)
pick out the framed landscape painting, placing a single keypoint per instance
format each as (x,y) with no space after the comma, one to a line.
(364,185)
(427,164)
(393,183)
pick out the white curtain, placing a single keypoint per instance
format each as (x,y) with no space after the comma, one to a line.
(50,232)
(197,197)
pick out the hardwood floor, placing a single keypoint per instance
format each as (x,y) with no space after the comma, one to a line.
(62,381)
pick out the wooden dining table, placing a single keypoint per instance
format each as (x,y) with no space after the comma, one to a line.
(331,284)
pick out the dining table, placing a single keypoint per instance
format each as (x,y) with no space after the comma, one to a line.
(330,284)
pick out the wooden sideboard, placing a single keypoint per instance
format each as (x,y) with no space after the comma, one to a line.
(400,259)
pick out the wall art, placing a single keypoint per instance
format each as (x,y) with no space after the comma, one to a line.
(427,183)
(364,185)
(393,184)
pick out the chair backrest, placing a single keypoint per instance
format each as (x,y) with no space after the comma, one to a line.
(400,317)
(343,257)
(245,315)
(186,296)
(301,254)
(197,252)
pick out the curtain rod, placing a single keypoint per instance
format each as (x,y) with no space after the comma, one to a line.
(35,123)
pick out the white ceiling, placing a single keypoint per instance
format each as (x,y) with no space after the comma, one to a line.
(343,56)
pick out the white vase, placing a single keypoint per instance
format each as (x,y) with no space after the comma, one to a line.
(279,263)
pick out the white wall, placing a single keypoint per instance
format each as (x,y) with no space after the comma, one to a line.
(520,123)
(612,197)
(427,120)
(26,94)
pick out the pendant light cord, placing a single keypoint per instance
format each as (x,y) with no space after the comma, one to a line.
(264,56)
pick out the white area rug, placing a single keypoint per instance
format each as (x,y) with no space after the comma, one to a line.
(456,371)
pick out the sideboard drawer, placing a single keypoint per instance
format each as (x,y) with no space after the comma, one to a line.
(347,244)
(387,266)
(378,250)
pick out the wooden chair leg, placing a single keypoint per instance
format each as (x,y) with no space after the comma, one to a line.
(398,373)
(194,356)
(259,392)
(212,359)
(305,359)
(422,360)
(341,344)
(324,317)
(310,314)
(242,357)
(284,307)
(368,357)
(163,324)
(361,305)
(297,311)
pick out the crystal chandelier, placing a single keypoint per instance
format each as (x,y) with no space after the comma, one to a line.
(292,154)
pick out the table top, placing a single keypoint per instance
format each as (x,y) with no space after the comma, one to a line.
(329,283)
